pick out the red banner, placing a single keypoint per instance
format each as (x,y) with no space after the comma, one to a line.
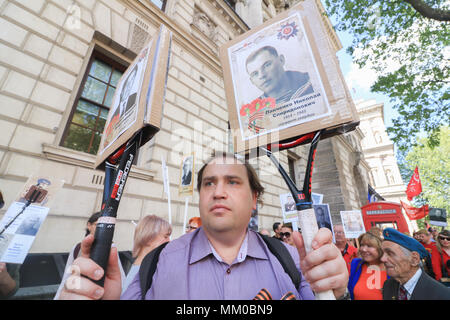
(414,213)
(414,186)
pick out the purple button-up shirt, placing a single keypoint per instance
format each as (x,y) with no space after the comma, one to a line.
(189,268)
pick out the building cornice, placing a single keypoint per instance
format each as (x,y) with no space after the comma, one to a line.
(230,16)
(380,148)
(376,110)
(151,14)
(337,45)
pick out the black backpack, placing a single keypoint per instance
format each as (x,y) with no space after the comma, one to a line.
(276,247)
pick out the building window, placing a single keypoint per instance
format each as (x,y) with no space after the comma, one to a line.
(159,3)
(94,99)
(377,136)
(374,174)
(390,177)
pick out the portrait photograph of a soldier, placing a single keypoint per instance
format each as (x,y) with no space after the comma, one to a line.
(276,80)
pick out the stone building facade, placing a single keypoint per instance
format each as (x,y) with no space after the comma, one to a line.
(49,53)
(378,150)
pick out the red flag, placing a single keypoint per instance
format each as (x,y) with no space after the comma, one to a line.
(414,186)
(414,213)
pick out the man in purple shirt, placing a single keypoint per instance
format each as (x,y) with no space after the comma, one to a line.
(222,259)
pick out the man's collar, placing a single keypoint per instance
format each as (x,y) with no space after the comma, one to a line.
(411,283)
(201,247)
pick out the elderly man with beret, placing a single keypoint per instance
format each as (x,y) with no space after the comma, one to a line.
(402,257)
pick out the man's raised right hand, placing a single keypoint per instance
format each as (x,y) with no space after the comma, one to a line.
(78,286)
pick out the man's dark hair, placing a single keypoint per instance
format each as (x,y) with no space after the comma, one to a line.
(255,184)
(93,218)
(276,225)
(288,225)
(253,55)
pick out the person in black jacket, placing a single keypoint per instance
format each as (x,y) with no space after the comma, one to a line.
(402,257)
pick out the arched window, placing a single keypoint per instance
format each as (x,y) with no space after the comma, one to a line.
(389,177)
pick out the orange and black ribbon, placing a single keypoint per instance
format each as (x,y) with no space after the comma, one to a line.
(263,294)
(288,296)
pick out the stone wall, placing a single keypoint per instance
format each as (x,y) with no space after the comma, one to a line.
(45,47)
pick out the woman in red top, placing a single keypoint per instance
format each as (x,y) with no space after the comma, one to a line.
(443,246)
(430,246)
(368,274)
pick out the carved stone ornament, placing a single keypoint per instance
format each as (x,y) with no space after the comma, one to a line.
(244,2)
(139,38)
(205,25)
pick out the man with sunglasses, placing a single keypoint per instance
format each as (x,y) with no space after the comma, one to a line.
(286,234)
(223,259)
(193,224)
(348,251)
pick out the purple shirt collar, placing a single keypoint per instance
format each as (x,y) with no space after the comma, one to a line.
(201,248)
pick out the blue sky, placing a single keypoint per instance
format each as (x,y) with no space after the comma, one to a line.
(359,81)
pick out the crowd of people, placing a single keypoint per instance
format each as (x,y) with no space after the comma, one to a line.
(219,257)
(367,262)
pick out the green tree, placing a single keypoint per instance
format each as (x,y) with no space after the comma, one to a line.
(407,44)
(434,170)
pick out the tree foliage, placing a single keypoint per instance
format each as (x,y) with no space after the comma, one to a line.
(411,56)
(434,170)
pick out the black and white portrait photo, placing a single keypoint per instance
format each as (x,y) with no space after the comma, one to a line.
(127,98)
(253,223)
(186,185)
(186,173)
(30,225)
(275,78)
(290,204)
(266,69)
(288,207)
(323,217)
(438,217)
(125,107)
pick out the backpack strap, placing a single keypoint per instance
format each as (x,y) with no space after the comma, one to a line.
(148,265)
(148,268)
(76,251)
(278,249)
(126,258)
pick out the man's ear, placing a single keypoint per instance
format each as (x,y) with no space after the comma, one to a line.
(415,259)
(282,59)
